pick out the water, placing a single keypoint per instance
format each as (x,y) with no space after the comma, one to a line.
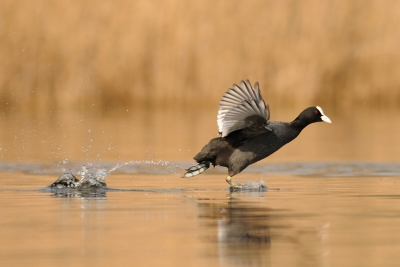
(152,218)
(332,201)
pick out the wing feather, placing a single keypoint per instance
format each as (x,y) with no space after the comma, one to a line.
(238,104)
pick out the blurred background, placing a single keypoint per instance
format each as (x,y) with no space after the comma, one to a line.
(123,80)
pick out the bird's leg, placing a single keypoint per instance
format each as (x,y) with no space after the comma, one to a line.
(232,184)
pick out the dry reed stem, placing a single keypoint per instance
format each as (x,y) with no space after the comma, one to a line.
(107,55)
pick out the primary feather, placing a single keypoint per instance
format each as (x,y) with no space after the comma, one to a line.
(239,103)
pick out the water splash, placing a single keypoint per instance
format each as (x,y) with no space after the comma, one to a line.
(93,175)
(92,180)
(142,164)
(252,186)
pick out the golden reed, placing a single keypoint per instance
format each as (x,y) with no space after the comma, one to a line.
(106,55)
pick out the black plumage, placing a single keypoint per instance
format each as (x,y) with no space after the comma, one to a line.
(247,135)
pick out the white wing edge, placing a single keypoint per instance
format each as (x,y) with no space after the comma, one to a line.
(246,98)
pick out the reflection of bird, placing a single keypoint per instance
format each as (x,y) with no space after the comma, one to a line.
(247,135)
(243,231)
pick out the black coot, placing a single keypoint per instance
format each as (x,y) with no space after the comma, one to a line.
(247,135)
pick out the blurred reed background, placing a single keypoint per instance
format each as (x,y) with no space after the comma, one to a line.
(112,55)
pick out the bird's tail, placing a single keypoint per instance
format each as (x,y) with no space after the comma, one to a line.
(196,170)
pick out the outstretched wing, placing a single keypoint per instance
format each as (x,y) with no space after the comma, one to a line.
(242,107)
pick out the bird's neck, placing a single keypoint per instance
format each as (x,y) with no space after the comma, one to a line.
(299,124)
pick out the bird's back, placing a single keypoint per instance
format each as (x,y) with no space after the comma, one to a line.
(261,146)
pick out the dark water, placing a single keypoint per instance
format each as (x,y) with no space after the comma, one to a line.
(333,195)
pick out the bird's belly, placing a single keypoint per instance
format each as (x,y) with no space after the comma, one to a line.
(254,150)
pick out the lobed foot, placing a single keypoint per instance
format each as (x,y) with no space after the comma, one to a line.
(232,184)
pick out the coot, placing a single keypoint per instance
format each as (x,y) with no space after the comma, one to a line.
(246,134)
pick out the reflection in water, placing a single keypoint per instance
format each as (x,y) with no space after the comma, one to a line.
(251,235)
(243,232)
(84,194)
(242,239)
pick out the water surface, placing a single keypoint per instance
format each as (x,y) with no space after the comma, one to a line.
(332,197)
(303,220)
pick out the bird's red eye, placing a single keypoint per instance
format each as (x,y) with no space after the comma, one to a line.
(316,112)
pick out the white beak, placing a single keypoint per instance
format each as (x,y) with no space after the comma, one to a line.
(325,119)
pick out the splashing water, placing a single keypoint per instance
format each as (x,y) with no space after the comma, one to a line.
(253,186)
(93,176)
(171,167)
